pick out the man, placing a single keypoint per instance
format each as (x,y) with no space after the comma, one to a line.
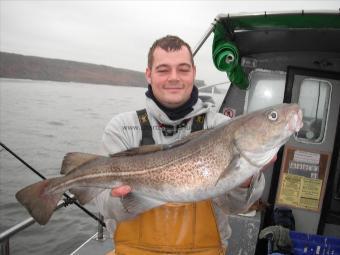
(173,111)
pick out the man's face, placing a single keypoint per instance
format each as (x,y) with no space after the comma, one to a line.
(171,76)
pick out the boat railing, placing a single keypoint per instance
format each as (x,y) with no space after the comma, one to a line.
(6,235)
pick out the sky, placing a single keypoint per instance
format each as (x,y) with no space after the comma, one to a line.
(120,33)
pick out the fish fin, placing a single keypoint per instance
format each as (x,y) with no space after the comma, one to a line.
(146,149)
(39,203)
(135,203)
(85,194)
(73,160)
(233,165)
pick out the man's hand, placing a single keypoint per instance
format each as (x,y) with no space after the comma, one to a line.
(120,191)
(247,183)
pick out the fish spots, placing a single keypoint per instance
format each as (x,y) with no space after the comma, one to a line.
(205,172)
(203,169)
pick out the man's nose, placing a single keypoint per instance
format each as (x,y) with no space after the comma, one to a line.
(173,75)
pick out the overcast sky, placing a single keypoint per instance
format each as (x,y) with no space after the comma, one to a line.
(119,33)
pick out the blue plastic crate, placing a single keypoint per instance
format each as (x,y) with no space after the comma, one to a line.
(309,244)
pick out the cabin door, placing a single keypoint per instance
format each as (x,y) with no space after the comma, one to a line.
(309,181)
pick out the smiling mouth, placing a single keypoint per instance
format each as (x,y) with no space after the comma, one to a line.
(173,87)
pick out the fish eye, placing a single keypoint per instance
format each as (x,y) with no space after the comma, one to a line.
(273,115)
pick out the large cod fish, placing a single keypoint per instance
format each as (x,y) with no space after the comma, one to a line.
(204,165)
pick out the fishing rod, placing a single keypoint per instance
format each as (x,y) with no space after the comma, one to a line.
(68,200)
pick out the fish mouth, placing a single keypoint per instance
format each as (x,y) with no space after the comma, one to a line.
(295,122)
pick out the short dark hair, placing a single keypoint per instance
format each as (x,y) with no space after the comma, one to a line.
(168,43)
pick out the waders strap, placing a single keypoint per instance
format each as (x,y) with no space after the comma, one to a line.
(147,139)
(198,123)
(144,122)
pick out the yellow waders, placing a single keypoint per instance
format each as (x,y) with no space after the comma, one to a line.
(188,228)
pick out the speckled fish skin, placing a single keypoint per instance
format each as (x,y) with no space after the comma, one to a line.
(203,166)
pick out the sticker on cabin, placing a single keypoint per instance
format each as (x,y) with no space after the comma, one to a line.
(230,112)
(306,157)
(300,191)
(303,169)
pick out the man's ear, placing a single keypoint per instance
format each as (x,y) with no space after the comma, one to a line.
(148,75)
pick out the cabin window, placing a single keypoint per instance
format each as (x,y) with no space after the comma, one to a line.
(266,89)
(314,101)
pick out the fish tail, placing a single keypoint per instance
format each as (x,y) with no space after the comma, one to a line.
(38,201)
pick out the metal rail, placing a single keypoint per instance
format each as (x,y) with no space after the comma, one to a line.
(7,234)
(205,37)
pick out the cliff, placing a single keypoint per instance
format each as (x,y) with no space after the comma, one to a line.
(38,68)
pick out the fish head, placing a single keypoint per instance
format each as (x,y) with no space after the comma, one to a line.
(262,133)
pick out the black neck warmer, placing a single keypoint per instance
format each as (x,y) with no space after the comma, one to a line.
(179,112)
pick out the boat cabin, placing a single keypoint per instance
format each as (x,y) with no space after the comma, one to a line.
(273,58)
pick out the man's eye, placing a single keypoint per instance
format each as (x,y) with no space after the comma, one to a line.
(184,70)
(162,70)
